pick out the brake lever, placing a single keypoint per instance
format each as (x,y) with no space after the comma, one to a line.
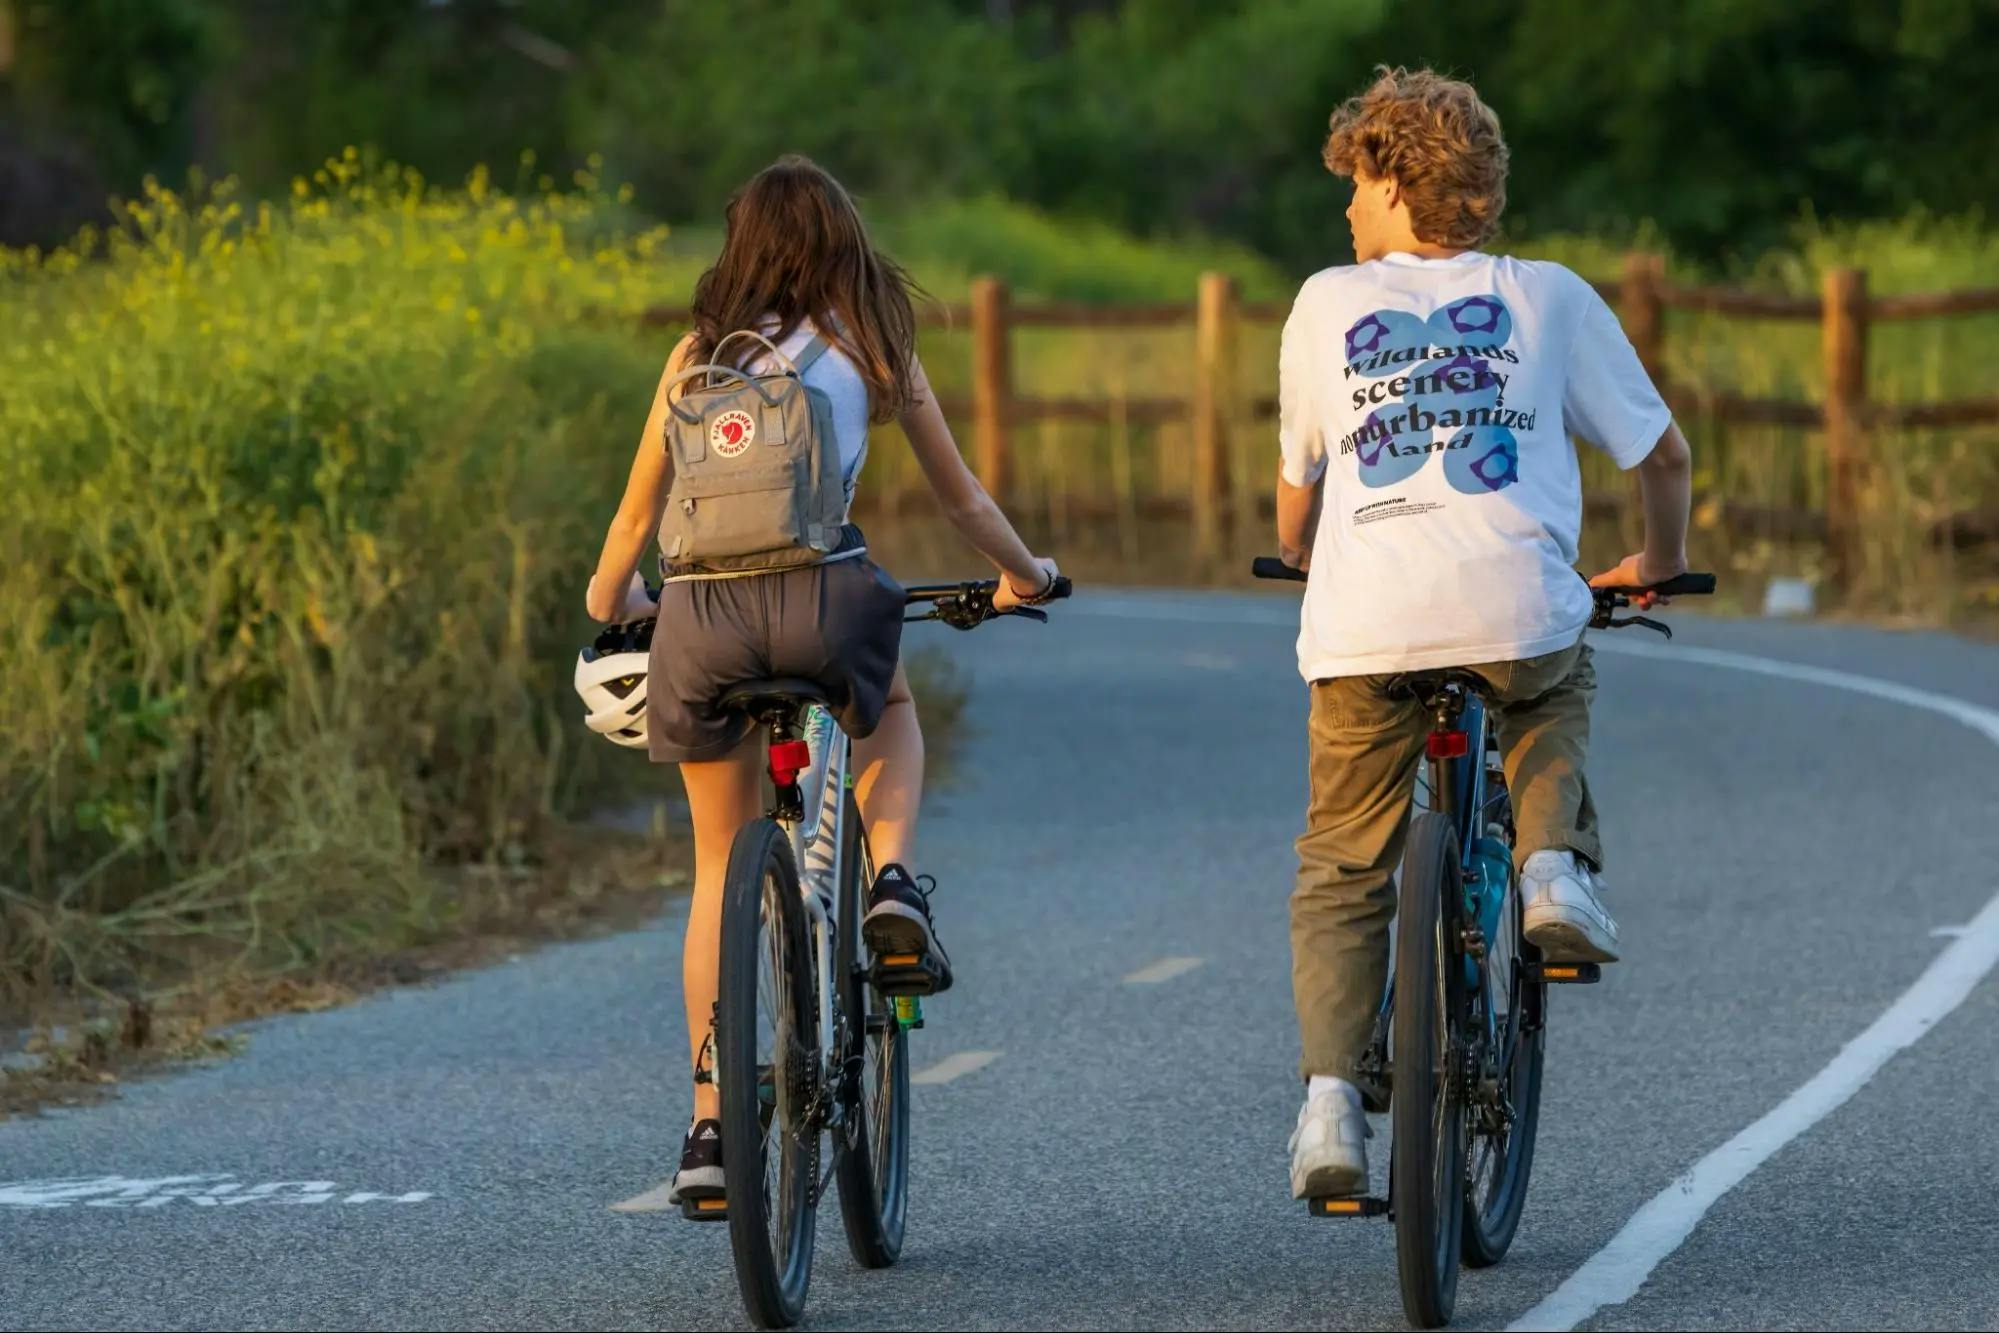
(1643,622)
(1032,613)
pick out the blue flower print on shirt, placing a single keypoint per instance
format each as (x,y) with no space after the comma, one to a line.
(1481,320)
(1384,342)
(1482,459)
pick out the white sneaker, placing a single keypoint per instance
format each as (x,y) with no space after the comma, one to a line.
(1561,912)
(1329,1147)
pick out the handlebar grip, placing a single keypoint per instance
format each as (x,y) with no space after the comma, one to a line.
(1680,585)
(1270,567)
(1687,585)
(1062,588)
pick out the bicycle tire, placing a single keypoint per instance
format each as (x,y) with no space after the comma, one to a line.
(766,959)
(873,1170)
(1427,1112)
(1489,1227)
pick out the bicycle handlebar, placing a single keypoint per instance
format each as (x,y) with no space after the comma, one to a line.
(970,604)
(1680,585)
(1607,599)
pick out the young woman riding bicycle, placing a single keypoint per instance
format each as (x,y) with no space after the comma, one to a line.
(796,267)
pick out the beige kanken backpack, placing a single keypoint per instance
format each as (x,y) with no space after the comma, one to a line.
(757,482)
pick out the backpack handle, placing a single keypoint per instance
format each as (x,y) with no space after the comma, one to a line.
(790,367)
(708,382)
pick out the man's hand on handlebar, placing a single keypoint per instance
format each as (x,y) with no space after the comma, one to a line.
(1007,598)
(1640,571)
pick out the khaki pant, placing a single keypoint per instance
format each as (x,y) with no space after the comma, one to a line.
(1364,750)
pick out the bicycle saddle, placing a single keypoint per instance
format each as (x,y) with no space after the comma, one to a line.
(759,696)
(1424,686)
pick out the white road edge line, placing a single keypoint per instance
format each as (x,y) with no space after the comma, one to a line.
(1163,970)
(955,1066)
(1614,1274)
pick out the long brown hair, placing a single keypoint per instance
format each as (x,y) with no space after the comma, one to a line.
(794,247)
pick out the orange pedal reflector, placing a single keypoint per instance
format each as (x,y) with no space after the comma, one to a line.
(711,1205)
(900,960)
(1561,971)
(1342,1205)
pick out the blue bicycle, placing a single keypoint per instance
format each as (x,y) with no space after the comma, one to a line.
(1457,1048)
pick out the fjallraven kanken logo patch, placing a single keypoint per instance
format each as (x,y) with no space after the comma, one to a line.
(731,433)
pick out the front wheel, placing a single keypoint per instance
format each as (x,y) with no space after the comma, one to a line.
(874,1152)
(766,1050)
(1427,1110)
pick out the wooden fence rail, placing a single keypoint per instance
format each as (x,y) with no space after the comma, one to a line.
(1221,495)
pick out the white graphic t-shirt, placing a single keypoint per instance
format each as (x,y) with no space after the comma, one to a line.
(1436,398)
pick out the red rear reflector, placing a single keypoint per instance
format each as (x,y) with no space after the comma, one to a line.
(787,760)
(1449,745)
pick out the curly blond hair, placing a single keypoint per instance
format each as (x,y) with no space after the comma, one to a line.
(1437,141)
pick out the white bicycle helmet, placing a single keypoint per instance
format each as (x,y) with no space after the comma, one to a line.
(611,678)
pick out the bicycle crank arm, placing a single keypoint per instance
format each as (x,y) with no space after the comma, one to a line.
(1360,1206)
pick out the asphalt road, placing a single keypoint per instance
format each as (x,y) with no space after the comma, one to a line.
(1787,858)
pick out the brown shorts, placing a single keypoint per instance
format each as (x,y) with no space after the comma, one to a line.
(838,625)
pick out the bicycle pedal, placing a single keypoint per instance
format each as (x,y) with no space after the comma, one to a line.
(1564,974)
(1353,1206)
(905,974)
(714,1209)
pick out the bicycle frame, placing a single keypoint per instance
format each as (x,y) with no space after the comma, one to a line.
(1460,738)
(813,811)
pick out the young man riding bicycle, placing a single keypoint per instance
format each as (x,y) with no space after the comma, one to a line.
(1427,395)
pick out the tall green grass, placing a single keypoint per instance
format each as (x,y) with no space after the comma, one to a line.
(295,505)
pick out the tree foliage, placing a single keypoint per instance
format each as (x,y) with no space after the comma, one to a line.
(1718,120)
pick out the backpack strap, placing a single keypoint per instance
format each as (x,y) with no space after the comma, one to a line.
(811,352)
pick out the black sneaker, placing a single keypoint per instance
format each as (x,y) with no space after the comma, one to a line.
(898,921)
(700,1174)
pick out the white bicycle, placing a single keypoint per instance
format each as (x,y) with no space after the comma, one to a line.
(811,1037)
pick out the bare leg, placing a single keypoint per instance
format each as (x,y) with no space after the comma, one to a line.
(722,796)
(888,777)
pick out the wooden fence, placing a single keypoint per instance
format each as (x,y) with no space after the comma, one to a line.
(1847,415)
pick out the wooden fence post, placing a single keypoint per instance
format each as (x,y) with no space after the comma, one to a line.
(992,385)
(1843,344)
(1642,308)
(1214,351)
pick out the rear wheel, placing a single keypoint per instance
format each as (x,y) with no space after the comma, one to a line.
(874,1151)
(765,1052)
(1427,1049)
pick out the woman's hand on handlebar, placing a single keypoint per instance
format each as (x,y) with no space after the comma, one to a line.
(1006,598)
(1640,571)
(637,603)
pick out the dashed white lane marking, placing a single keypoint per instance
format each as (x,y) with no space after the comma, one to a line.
(1615,1273)
(955,1066)
(653,1200)
(1164,970)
